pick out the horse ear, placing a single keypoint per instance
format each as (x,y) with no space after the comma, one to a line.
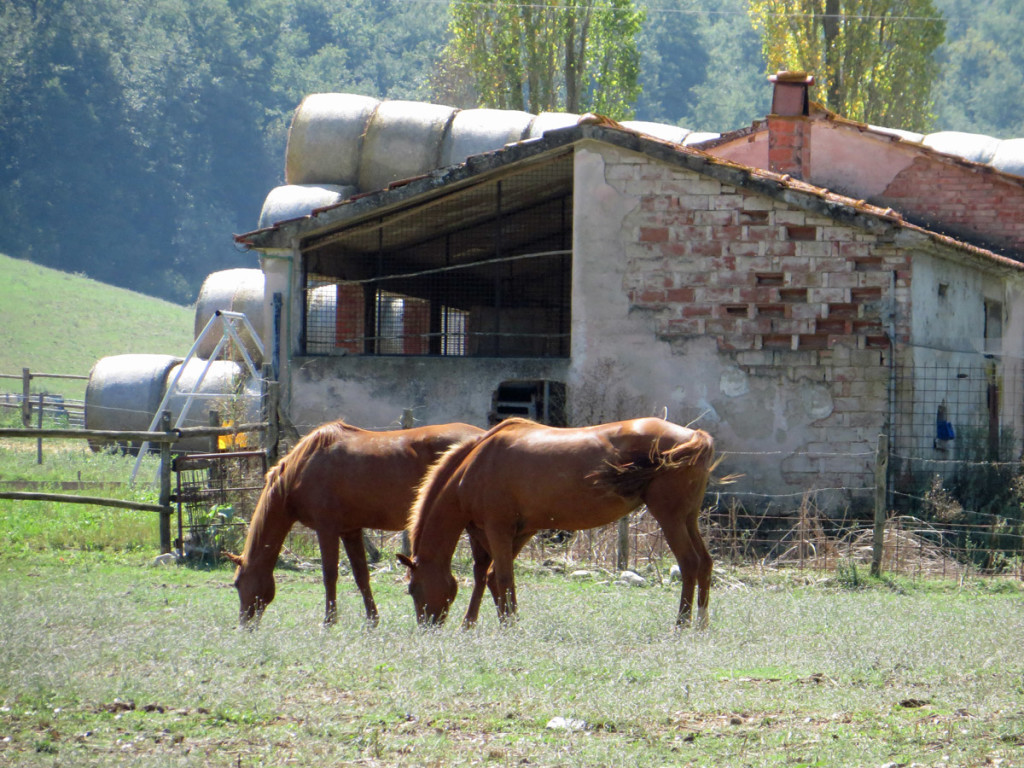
(406,561)
(236,559)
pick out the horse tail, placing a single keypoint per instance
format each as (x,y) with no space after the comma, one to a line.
(698,451)
(631,477)
(434,482)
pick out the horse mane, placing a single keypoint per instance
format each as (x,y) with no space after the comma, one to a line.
(630,478)
(434,481)
(281,477)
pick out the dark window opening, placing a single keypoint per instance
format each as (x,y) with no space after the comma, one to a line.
(542,401)
(481,272)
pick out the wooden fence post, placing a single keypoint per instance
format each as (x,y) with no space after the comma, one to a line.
(165,485)
(39,422)
(214,421)
(26,393)
(622,550)
(881,473)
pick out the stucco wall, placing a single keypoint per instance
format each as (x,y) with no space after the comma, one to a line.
(372,392)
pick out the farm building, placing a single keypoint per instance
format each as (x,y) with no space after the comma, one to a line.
(797,288)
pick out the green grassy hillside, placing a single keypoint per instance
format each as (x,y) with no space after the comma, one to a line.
(55,322)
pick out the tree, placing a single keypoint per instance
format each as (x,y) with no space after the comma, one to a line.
(982,68)
(572,55)
(873,60)
(137,135)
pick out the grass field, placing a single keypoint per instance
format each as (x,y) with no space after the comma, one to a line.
(56,322)
(109,660)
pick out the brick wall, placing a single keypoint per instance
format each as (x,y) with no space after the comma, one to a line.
(786,294)
(976,204)
(789,146)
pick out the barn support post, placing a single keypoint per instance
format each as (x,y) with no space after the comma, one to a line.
(881,472)
(165,485)
(276,353)
(271,402)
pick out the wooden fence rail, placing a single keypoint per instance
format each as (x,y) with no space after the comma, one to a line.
(165,438)
(26,377)
(170,436)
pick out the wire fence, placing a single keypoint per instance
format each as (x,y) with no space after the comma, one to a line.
(954,497)
(802,538)
(41,407)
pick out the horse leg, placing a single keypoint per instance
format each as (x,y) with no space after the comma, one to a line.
(481,566)
(502,578)
(329,553)
(704,568)
(360,572)
(679,524)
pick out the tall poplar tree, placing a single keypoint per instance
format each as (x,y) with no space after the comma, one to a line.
(571,55)
(873,60)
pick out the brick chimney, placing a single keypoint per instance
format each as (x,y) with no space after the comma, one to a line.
(789,130)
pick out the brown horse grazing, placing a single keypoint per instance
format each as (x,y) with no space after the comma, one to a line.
(337,480)
(521,477)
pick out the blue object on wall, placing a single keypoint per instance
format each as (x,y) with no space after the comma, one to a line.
(944,431)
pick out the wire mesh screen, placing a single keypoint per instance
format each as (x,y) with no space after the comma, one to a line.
(482,272)
(955,461)
(216,494)
(964,408)
(504,309)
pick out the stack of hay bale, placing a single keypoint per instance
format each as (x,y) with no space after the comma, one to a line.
(124,392)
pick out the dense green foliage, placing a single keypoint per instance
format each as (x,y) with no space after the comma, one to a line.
(982,80)
(873,60)
(570,56)
(137,135)
(55,322)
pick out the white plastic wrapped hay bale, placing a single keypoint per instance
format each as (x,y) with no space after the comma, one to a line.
(474,131)
(1009,157)
(970,146)
(234,290)
(225,389)
(662,131)
(550,121)
(698,136)
(124,392)
(403,140)
(912,136)
(325,138)
(293,201)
